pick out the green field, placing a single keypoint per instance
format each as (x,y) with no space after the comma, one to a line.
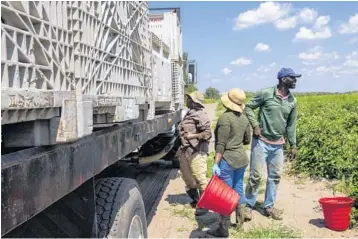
(327,140)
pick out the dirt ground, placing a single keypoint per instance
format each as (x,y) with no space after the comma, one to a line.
(297,197)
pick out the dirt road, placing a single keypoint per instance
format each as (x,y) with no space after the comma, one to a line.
(297,197)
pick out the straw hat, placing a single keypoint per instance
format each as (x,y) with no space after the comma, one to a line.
(234,100)
(197,97)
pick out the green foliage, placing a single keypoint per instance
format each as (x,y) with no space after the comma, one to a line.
(210,164)
(327,139)
(273,230)
(190,88)
(212,93)
(210,101)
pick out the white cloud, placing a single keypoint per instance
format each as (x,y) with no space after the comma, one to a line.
(309,34)
(307,15)
(267,68)
(311,54)
(331,69)
(320,30)
(242,61)
(348,67)
(351,26)
(262,47)
(273,64)
(352,59)
(322,22)
(308,63)
(266,12)
(332,55)
(335,71)
(227,71)
(316,55)
(282,15)
(286,23)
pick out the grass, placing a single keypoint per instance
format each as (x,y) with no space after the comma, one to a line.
(210,164)
(210,101)
(185,211)
(182,229)
(271,231)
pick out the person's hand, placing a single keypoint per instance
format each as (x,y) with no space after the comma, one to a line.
(257,131)
(216,170)
(292,154)
(189,136)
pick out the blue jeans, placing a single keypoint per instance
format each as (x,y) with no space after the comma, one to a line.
(263,153)
(234,178)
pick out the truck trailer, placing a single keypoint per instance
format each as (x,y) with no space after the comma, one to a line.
(85,86)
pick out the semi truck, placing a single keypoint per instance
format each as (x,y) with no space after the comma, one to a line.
(85,86)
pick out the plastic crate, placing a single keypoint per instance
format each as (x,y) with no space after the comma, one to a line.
(168,28)
(177,85)
(162,82)
(89,51)
(86,62)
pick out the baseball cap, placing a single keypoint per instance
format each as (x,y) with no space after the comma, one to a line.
(284,72)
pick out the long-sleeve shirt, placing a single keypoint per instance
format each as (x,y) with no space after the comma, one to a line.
(196,121)
(277,115)
(231,133)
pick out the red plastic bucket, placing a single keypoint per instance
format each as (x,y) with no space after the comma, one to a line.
(336,211)
(219,197)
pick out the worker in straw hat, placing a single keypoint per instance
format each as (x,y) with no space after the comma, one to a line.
(232,132)
(195,135)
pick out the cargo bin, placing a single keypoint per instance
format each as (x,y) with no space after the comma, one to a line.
(161,73)
(93,57)
(167,27)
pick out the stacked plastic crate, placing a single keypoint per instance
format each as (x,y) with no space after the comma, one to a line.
(112,55)
(68,61)
(161,74)
(36,60)
(167,27)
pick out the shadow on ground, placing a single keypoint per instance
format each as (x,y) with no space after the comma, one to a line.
(181,198)
(153,181)
(319,222)
(204,221)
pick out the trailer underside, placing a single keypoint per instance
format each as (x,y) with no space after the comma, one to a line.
(35,178)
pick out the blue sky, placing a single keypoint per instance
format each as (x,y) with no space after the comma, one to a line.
(244,44)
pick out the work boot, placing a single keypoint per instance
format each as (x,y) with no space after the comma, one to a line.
(194,195)
(247,213)
(223,229)
(273,213)
(240,215)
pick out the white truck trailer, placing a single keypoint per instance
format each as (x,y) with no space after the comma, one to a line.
(85,85)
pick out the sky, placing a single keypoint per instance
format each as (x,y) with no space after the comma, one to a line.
(244,44)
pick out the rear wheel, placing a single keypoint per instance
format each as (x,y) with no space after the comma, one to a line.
(120,211)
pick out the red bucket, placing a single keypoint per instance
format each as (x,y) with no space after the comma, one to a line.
(336,211)
(219,197)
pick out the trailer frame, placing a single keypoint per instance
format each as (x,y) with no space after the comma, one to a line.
(35,178)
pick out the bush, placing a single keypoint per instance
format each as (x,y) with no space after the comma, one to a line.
(327,139)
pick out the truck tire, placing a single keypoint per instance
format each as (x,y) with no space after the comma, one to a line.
(120,211)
